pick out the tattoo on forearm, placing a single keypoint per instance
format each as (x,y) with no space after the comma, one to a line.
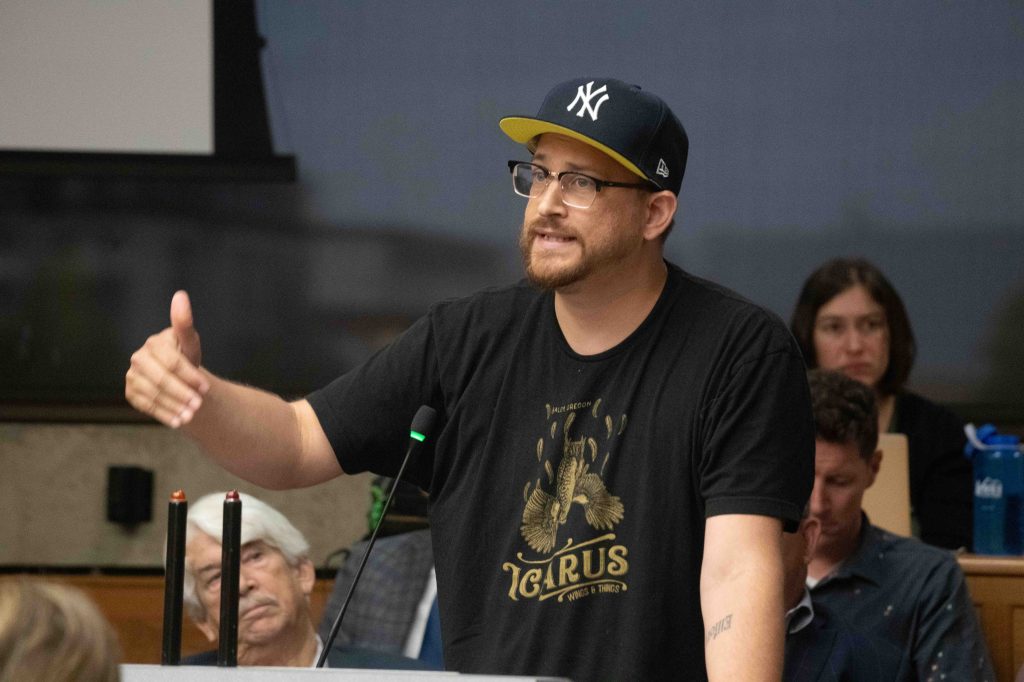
(718,628)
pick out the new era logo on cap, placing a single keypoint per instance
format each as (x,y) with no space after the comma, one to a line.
(632,126)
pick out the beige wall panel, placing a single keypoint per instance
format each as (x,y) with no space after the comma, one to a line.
(53,481)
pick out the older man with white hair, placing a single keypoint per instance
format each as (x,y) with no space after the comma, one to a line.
(276,578)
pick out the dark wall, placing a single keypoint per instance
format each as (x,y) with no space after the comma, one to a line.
(890,131)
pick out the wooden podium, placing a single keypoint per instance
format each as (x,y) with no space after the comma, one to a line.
(170,673)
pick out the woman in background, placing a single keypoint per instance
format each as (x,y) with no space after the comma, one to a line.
(850,318)
(53,633)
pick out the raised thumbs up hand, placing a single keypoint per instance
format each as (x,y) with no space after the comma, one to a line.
(184,328)
(164,379)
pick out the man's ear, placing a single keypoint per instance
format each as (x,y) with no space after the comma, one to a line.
(661,208)
(306,576)
(211,631)
(810,528)
(874,464)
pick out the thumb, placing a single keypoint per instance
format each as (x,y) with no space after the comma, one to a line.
(184,330)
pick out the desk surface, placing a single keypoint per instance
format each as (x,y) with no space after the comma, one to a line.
(156,673)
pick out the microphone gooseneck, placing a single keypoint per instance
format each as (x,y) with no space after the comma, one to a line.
(420,429)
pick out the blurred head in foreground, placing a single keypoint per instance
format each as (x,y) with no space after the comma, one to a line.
(53,633)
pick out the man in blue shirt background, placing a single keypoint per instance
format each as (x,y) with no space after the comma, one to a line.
(899,588)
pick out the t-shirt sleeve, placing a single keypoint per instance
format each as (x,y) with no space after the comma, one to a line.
(758,439)
(366,412)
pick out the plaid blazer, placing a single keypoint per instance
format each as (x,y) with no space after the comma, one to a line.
(384,604)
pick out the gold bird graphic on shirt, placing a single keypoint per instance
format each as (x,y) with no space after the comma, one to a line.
(544,513)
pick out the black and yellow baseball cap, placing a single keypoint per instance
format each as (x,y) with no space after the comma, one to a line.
(634,127)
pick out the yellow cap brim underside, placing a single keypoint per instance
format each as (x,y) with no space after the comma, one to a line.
(523,130)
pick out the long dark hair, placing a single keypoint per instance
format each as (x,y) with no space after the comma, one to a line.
(833,278)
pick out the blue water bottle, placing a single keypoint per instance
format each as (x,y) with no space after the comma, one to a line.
(1013,488)
(998,494)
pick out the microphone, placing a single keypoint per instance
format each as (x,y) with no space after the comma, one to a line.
(419,431)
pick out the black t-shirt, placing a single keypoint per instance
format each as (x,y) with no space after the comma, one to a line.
(570,492)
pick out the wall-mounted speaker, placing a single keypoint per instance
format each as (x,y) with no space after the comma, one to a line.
(129,495)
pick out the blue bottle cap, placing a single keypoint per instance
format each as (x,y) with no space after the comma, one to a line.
(986,432)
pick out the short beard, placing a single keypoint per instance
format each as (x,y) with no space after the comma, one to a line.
(548,281)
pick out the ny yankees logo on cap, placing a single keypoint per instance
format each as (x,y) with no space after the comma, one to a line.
(585,97)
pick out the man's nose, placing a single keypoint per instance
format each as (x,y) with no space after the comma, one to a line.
(549,201)
(818,501)
(246,581)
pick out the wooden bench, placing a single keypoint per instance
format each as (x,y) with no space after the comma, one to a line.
(997,588)
(134,605)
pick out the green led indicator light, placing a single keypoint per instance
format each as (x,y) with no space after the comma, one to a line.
(418,436)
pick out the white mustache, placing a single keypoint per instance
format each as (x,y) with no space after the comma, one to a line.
(247,603)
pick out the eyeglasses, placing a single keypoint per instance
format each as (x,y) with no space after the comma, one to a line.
(578,189)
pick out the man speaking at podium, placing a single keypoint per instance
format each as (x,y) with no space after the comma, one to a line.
(619,443)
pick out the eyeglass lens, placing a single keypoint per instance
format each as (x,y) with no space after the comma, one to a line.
(578,190)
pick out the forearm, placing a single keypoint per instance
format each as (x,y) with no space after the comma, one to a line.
(742,603)
(253,434)
(260,437)
(744,630)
